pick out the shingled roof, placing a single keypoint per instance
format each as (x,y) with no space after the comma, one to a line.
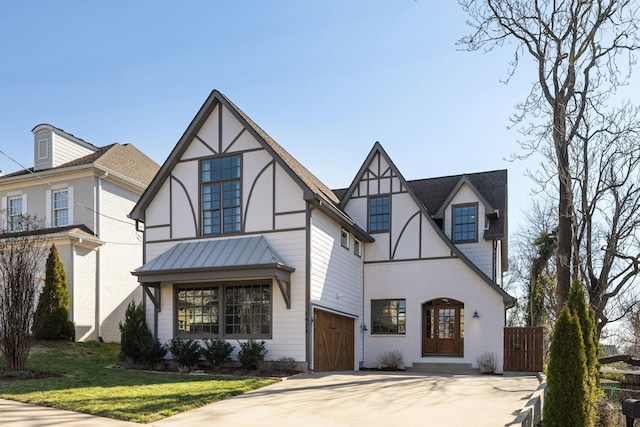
(124,159)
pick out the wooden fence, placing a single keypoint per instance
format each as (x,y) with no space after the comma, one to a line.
(523,349)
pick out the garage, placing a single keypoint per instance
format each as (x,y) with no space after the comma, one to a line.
(333,342)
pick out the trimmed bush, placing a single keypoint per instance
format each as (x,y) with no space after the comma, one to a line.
(186,352)
(567,385)
(137,345)
(51,319)
(251,354)
(578,306)
(216,351)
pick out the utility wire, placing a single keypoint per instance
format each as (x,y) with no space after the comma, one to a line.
(66,195)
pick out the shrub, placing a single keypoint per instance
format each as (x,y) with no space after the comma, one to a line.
(185,352)
(137,344)
(251,354)
(283,365)
(51,319)
(567,385)
(216,351)
(487,363)
(391,359)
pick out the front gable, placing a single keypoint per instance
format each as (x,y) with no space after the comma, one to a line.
(270,195)
(411,234)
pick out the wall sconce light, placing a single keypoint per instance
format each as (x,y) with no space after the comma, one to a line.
(476,315)
(314,319)
(339,296)
(363,327)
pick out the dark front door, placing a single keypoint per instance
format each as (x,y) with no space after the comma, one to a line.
(443,327)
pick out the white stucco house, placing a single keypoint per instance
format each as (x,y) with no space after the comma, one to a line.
(241,241)
(83,194)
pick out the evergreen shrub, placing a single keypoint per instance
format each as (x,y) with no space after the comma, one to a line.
(251,354)
(137,345)
(186,352)
(216,351)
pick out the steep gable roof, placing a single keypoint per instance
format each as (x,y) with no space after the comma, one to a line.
(312,185)
(378,150)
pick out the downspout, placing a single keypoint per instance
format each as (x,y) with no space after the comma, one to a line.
(99,257)
(308,311)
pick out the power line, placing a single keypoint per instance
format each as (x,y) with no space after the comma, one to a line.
(65,194)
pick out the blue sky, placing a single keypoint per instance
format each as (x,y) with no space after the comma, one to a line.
(325,79)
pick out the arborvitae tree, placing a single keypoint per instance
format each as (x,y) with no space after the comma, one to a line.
(51,319)
(567,387)
(578,306)
(137,344)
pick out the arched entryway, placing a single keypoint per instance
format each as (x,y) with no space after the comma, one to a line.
(443,327)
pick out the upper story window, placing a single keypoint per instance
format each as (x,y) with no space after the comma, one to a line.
(220,186)
(60,208)
(378,214)
(465,223)
(14,213)
(344,238)
(357,247)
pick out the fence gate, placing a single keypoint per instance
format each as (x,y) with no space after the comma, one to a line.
(523,349)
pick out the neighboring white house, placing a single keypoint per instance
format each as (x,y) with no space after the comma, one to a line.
(241,241)
(83,194)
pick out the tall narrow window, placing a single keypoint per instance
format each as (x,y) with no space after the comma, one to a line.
(14,214)
(378,214)
(465,223)
(220,183)
(60,208)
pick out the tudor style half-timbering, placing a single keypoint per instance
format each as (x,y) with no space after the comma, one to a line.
(241,241)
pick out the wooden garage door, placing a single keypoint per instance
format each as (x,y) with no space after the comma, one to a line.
(333,342)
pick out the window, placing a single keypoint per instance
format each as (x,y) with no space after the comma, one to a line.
(388,316)
(357,247)
(378,214)
(344,238)
(238,310)
(220,183)
(14,214)
(465,223)
(60,208)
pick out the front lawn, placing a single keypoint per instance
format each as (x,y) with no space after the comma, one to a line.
(86,385)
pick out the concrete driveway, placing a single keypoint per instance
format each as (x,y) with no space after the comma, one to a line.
(370,399)
(334,399)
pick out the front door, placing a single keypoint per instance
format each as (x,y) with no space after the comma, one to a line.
(443,327)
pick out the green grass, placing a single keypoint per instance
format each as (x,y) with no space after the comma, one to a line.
(87,386)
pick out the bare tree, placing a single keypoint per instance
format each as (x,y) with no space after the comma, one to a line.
(582,51)
(21,256)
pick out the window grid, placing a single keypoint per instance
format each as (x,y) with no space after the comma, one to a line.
(379,214)
(224,310)
(220,180)
(388,316)
(60,208)
(464,223)
(15,214)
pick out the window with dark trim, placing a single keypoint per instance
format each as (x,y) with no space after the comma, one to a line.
(357,247)
(241,310)
(14,213)
(344,238)
(378,214)
(465,223)
(220,194)
(388,316)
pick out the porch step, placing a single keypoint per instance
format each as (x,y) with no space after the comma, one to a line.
(443,368)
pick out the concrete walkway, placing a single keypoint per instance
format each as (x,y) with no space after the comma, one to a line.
(334,399)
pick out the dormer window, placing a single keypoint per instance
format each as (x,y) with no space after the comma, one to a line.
(465,223)
(43,149)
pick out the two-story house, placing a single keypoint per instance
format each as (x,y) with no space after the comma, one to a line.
(241,241)
(82,195)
